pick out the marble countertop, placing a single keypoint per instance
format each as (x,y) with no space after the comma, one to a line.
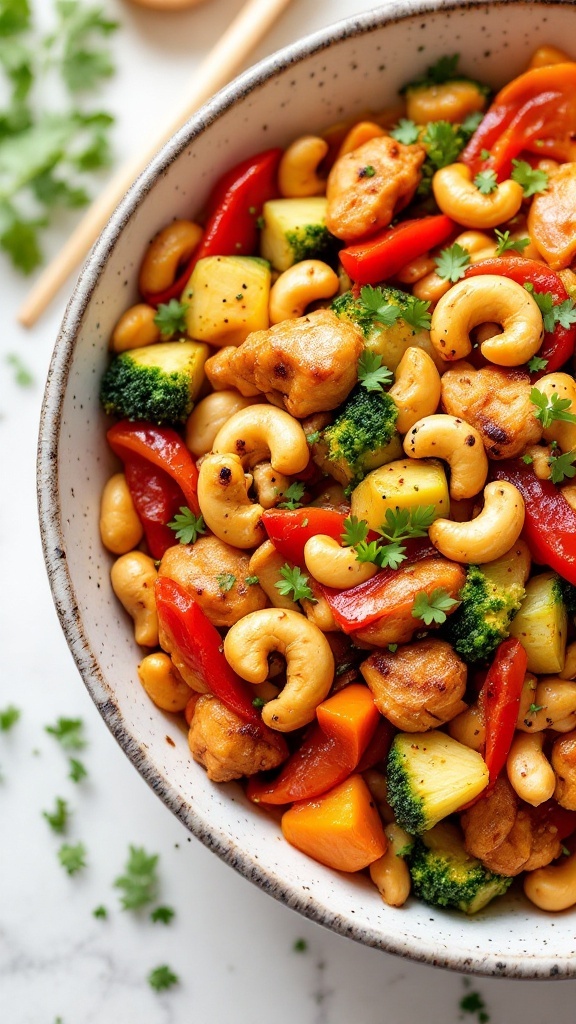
(239,956)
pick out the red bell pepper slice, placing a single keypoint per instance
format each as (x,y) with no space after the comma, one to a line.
(550,814)
(329,753)
(233,208)
(359,606)
(383,255)
(538,105)
(500,697)
(163,447)
(549,523)
(199,644)
(157,498)
(290,529)
(558,345)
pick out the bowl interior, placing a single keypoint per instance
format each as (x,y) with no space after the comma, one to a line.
(355,67)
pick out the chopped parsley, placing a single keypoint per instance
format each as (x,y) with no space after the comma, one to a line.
(251,581)
(162,978)
(72,858)
(451,263)
(100,912)
(77,770)
(550,409)
(300,946)
(433,608)
(530,178)
(162,914)
(367,172)
(22,375)
(8,717)
(187,526)
(562,467)
(258,703)
(486,182)
(139,883)
(171,318)
(371,373)
(292,496)
(294,584)
(68,732)
(225,581)
(58,818)
(535,708)
(508,244)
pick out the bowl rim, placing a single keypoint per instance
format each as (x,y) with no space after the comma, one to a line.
(52,537)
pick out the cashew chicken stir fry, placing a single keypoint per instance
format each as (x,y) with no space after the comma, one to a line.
(345,521)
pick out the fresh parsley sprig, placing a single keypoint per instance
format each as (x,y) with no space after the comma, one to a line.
(486,182)
(72,858)
(371,373)
(59,817)
(563,313)
(433,608)
(508,244)
(530,178)
(162,978)
(399,525)
(551,408)
(373,301)
(292,496)
(536,364)
(68,732)
(187,526)
(355,531)
(451,263)
(406,132)
(171,318)
(139,883)
(562,467)
(294,584)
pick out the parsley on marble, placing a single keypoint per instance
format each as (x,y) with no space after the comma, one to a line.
(59,817)
(162,978)
(300,946)
(68,732)
(162,914)
(139,883)
(72,858)
(22,375)
(77,770)
(8,717)
(100,912)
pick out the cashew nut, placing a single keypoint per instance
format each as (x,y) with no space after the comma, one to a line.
(563,432)
(133,577)
(477,300)
(469,728)
(430,286)
(333,565)
(553,888)
(490,534)
(556,700)
(266,563)
(297,287)
(224,502)
(135,328)
(417,388)
(318,611)
(167,251)
(209,415)
(458,197)
(309,663)
(261,432)
(418,268)
(163,684)
(455,441)
(120,527)
(530,773)
(298,170)
(363,131)
(447,101)
(546,55)
(390,873)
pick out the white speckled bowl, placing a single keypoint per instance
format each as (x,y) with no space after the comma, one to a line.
(353,66)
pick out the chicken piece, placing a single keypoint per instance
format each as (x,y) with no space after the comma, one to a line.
(214,574)
(229,747)
(507,836)
(369,186)
(552,221)
(563,761)
(419,687)
(496,401)
(306,365)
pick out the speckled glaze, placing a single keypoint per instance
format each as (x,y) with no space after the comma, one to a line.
(354,66)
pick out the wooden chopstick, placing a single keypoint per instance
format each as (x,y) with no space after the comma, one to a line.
(224,60)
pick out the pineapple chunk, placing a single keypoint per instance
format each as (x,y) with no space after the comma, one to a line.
(541,625)
(294,230)
(405,483)
(227,299)
(430,775)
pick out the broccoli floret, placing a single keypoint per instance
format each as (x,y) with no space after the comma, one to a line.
(295,230)
(429,776)
(388,336)
(568,592)
(491,597)
(362,436)
(445,875)
(310,242)
(157,383)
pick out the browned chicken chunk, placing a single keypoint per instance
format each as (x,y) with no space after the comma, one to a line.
(497,402)
(563,761)
(306,365)
(369,186)
(419,687)
(507,836)
(230,748)
(214,574)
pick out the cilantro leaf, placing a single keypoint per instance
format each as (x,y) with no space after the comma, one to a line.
(225,581)
(14,17)
(442,71)
(58,818)
(386,556)
(293,493)
(565,313)
(443,143)
(371,373)
(162,978)
(22,375)
(294,584)
(432,609)
(406,132)
(100,912)
(355,531)
(562,467)
(452,262)
(300,946)
(250,581)
(20,242)
(8,717)
(72,858)
(163,914)
(187,526)
(139,883)
(486,182)
(82,63)
(416,313)
(530,178)
(68,732)
(506,243)
(536,364)
(258,703)
(402,523)
(372,300)
(171,318)
(545,303)
(77,770)
(550,409)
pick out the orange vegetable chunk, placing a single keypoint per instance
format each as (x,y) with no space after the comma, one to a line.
(342,828)
(552,218)
(350,716)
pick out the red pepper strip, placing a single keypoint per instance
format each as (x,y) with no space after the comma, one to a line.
(538,104)
(359,606)
(383,255)
(233,209)
(501,700)
(289,530)
(199,644)
(164,448)
(549,523)
(330,752)
(551,814)
(558,345)
(157,498)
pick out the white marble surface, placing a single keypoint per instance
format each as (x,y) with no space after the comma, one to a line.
(231,946)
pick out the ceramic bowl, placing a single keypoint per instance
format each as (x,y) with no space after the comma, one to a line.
(349,68)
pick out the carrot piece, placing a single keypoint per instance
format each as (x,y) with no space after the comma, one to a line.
(350,716)
(342,829)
